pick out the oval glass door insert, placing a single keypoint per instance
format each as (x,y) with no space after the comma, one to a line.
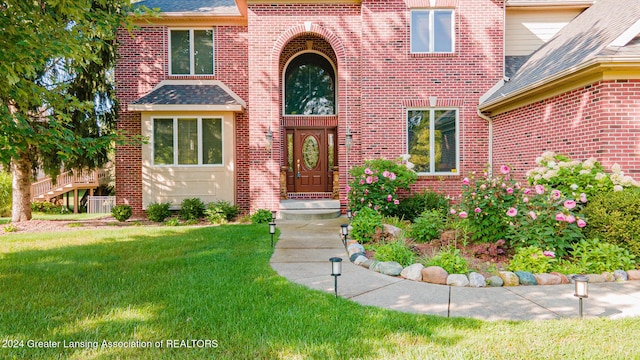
(310,152)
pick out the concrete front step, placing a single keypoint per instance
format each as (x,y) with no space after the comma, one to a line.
(309,209)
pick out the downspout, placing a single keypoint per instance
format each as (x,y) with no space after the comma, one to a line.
(490,150)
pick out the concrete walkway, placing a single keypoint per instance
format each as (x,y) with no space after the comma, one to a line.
(302,255)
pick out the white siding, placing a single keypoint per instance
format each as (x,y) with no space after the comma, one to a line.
(527,29)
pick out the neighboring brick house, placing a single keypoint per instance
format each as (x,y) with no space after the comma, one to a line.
(253,101)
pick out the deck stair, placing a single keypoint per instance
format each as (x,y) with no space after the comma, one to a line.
(44,189)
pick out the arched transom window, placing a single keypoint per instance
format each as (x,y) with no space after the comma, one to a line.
(309,85)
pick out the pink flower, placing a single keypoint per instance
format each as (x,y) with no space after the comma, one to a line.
(583,198)
(389,198)
(385,173)
(369,179)
(581,223)
(463,215)
(560,217)
(396,202)
(483,186)
(366,191)
(368,171)
(465,181)
(571,219)
(539,189)
(512,212)
(392,176)
(477,210)
(347,188)
(548,253)
(526,191)
(452,211)
(555,194)
(533,215)
(525,199)
(361,200)
(569,204)
(376,208)
(509,191)
(375,179)
(362,182)
(504,169)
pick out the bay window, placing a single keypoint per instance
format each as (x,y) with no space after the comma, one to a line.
(187,141)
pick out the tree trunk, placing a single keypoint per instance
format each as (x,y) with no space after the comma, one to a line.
(21,171)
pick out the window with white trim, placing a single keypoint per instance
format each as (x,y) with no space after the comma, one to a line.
(432,140)
(432,31)
(187,141)
(192,52)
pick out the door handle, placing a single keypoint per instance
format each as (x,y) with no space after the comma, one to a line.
(298,169)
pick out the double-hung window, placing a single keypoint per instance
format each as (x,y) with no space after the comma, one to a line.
(432,31)
(192,52)
(187,141)
(432,140)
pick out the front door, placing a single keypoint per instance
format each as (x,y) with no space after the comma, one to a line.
(310,157)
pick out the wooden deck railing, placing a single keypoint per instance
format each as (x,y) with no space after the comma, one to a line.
(44,189)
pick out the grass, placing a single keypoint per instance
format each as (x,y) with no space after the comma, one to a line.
(215,283)
(69,217)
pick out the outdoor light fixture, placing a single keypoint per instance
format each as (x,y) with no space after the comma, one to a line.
(269,137)
(344,230)
(273,215)
(349,214)
(582,288)
(272,231)
(336,270)
(348,139)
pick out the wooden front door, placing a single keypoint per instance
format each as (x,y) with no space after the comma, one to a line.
(310,157)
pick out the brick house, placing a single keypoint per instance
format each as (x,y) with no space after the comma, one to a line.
(256,101)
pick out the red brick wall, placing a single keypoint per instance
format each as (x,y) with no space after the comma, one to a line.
(601,120)
(142,65)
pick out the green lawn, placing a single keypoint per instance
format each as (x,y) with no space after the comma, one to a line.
(214,283)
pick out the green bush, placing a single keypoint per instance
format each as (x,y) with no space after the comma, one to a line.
(5,193)
(364,225)
(614,217)
(219,212)
(596,256)
(450,259)
(158,212)
(261,216)
(532,259)
(172,222)
(191,209)
(428,226)
(414,205)
(395,251)
(48,207)
(121,212)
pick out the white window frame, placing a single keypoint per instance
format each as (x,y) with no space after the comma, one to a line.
(432,32)
(175,140)
(192,60)
(432,125)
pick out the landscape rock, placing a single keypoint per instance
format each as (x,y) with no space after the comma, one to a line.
(563,277)
(633,274)
(547,279)
(620,275)
(374,265)
(596,278)
(413,272)
(495,281)
(509,278)
(435,275)
(390,268)
(367,264)
(392,230)
(360,260)
(457,280)
(355,249)
(351,242)
(526,278)
(353,257)
(608,277)
(477,280)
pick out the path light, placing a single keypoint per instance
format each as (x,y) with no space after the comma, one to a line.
(273,215)
(336,270)
(349,214)
(344,229)
(272,231)
(582,288)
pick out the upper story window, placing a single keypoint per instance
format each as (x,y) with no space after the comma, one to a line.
(187,141)
(432,140)
(192,52)
(432,31)
(309,86)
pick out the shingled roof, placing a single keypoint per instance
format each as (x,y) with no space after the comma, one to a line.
(589,36)
(184,95)
(228,7)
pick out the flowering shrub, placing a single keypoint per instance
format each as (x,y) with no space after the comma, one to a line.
(574,177)
(375,185)
(488,205)
(365,224)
